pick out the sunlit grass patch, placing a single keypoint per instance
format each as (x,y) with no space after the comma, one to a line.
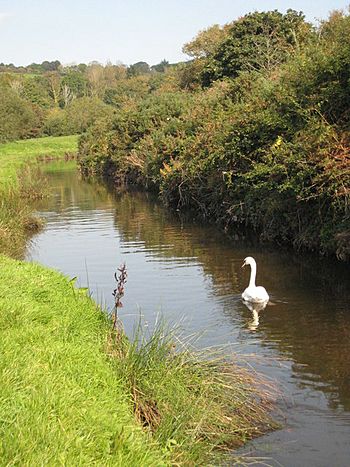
(61,401)
(14,154)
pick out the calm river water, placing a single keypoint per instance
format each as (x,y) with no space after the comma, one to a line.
(191,274)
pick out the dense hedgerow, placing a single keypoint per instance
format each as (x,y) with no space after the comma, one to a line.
(268,149)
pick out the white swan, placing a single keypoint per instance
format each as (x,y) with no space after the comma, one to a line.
(253,293)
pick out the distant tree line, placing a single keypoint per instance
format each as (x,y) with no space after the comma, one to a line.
(52,99)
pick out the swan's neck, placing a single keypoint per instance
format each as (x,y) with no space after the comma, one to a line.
(252,275)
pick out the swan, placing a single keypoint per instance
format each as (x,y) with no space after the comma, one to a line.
(253,293)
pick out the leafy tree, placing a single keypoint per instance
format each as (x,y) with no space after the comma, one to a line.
(258,41)
(18,118)
(54,81)
(35,90)
(77,116)
(206,42)
(126,91)
(76,82)
(94,73)
(50,66)
(139,68)
(160,67)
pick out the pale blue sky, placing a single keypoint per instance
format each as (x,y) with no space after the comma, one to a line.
(126,31)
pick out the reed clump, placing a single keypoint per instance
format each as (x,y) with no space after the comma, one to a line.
(198,406)
(17,221)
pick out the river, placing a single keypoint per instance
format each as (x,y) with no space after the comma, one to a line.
(191,274)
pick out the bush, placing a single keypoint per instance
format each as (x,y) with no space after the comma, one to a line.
(18,118)
(77,117)
(267,149)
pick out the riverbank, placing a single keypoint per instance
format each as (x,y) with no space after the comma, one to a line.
(61,401)
(73,392)
(71,395)
(263,148)
(21,182)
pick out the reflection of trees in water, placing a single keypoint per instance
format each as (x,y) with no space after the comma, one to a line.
(140,218)
(317,339)
(310,322)
(66,189)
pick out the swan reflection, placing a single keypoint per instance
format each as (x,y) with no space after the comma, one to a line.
(255,308)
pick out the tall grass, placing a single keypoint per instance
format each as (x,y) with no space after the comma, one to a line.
(198,406)
(17,221)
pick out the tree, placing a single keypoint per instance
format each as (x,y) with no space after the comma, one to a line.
(257,41)
(54,85)
(206,42)
(95,74)
(50,66)
(76,82)
(18,118)
(139,68)
(160,67)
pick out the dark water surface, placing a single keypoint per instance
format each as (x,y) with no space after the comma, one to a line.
(192,275)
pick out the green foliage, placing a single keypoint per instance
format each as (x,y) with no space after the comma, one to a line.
(77,116)
(266,147)
(76,82)
(206,43)
(35,90)
(257,41)
(126,91)
(139,68)
(18,118)
(161,66)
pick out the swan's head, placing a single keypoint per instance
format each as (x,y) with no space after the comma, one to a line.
(248,261)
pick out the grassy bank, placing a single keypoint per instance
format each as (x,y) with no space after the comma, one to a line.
(14,154)
(61,402)
(20,181)
(72,394)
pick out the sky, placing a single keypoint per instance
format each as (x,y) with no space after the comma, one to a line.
(127,31)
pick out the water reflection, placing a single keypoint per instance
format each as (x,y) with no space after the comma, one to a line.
(195,267)
(255,308)
(192,272)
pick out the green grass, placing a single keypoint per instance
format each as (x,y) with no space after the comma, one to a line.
(20,180)
(13,155)
(74,394)
(61,401)
(199,406)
